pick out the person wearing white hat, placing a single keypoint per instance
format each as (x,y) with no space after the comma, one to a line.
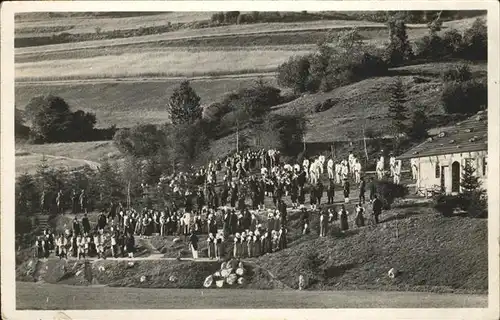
(193,244)
(211,246)
(237,246)
(219,246)
(250,244)
(256,244)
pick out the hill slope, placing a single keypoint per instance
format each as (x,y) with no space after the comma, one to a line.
(433,254)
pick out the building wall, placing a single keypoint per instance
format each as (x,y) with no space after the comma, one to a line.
(428,177)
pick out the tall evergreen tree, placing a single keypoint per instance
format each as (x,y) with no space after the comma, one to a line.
(397,108)
(184,105)
(399,48)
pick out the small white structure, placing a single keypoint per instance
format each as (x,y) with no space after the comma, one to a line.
(439,161)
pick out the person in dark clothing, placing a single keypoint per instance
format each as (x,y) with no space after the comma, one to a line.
(234,194)
(130,245)
(282,210)
(347,191)
(305,221)
(200,200)
(377,208)
(360,219)
(76,227)
(331,192)
(373,189)
(74,202)
(193,244)
(85,224)
(312,197)
(101,221)
(362,190)
(224,194)
(188,204)
(319,193)
(344,224)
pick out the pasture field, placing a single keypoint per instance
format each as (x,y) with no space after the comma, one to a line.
(58,297)
(127,103)
(27,26)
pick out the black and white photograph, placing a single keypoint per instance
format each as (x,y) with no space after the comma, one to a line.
(263,155)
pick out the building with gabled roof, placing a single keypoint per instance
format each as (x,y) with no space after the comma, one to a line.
(438,162)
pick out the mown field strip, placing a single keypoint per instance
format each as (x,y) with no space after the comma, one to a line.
(157,63)
(259,28)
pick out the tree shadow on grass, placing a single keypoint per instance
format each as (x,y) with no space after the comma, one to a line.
(338,270)
(401,216)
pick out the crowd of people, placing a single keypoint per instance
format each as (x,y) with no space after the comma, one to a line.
(220,210)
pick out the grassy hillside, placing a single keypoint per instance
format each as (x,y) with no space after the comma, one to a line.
(431,252)
(366,102)
(128,103)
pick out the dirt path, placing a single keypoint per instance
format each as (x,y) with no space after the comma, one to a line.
(92,164)
(21,82)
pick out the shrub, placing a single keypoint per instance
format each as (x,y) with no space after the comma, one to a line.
(430,47)
(184,104)
(323,106)
(294,74)
(460,73)
(389,191)
(464,97)
(475,41)
(447,204)
(452,42)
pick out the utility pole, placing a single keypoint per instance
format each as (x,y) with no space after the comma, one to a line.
(237,135)
(364,141)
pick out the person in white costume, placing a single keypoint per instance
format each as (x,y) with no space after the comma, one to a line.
(330,169)
(357,171)
(414,169)
(397,171)
(392,164)
(380,169)
(345,171)
(305,165)
(338,172)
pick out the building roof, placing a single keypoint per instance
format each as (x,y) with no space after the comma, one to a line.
(466,136)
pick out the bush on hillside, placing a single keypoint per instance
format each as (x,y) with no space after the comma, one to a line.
(389,191)
(459,73)
(294,73)
(466,97)
(398,50)
(52,121)
(325,105)
(184,104)
(475,41)
(143,140)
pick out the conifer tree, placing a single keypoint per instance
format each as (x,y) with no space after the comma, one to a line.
(184,105)
(470,181)
(399,48)
(397,108)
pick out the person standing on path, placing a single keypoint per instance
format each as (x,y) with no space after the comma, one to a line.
(130,245)
(83,202)
(85,223)
(193,244)
(373,189)
(377,208)
(330,192)
(362,190)
(347,191)
(344,224)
